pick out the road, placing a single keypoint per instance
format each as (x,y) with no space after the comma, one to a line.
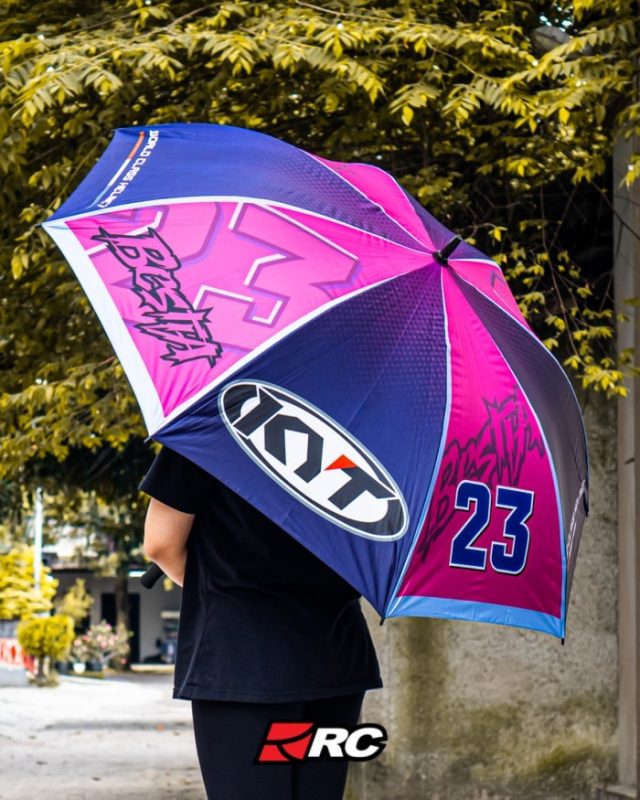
(119,738)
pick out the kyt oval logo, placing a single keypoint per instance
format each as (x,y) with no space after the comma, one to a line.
(314,459)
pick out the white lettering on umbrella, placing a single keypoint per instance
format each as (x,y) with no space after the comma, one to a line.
(314,459)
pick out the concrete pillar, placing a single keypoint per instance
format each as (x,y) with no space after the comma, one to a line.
(627,285)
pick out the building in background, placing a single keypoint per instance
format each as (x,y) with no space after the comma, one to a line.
(153,613)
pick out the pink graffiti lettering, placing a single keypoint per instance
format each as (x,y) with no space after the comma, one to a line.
(495,456)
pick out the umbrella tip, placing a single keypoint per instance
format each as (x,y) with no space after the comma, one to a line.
(442,255)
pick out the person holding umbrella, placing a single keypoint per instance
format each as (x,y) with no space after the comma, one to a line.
(348,390)
(267,632)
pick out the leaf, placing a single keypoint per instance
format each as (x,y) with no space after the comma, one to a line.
(407,115)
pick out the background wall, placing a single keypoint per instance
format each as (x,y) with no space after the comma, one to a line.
(482,711)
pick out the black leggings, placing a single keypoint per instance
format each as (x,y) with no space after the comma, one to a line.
(228,737)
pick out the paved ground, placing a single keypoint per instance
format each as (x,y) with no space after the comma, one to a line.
(121,738)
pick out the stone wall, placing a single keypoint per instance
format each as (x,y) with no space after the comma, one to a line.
(484,711)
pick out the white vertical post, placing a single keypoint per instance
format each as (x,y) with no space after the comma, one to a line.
(38,523)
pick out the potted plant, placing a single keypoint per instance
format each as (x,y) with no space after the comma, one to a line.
(102,645)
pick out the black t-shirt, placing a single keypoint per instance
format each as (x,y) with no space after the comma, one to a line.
(262,619)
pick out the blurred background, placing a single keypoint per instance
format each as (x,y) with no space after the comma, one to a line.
(516,124)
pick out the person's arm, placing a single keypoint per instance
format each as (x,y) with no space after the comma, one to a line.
(166,531)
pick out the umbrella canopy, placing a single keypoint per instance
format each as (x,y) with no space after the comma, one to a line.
(307,333)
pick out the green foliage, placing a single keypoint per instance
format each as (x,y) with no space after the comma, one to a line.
(18,596)
(497,136)
(76,602)
(46,637)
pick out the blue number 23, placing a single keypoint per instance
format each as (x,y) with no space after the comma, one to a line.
(509,556)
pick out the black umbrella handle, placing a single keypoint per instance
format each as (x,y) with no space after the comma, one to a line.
(151,576)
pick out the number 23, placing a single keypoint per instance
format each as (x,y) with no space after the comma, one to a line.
(508,557)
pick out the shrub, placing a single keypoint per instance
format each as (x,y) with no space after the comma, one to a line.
(47,639)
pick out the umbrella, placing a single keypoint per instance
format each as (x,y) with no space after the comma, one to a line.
(307,333)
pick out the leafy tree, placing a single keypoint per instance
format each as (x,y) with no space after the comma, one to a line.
(14,510)
(19,598)
(504,135)
(76,602)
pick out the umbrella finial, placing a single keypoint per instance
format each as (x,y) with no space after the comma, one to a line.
(442,255)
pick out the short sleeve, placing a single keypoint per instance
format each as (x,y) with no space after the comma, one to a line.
(175,481)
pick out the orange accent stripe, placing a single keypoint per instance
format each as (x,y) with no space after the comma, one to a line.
(342,462)
(136,145)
